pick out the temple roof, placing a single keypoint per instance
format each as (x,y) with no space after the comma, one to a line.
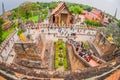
(60,7)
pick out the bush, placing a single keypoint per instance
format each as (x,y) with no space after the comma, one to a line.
(60,47)
(92,23)
(19,32)
(85,45)
(60,63)
(60,55)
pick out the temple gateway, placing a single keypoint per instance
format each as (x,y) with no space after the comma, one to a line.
(61,15)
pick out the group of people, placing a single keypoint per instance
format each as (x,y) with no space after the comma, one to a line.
(67,31)
(81,50)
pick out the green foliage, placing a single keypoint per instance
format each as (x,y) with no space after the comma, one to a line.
(65,64)
(7,33)
(118,23)
(43,16)
(54,43)
(31,9)
(60,55)
(88,8)
(1,21)
(53,5)
(76,9)
(56,63)
(86,45)
(25,9)
(117,41)
(92,23)
(1,33)
(19,32)
(60,63)
(34,18)
(60,46)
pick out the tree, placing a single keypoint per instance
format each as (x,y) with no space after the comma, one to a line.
(118,23)
(1,21)
(76,9)
(25,9)
(53,5)
(88,8)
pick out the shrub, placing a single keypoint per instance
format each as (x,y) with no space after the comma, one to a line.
(60,46)
(19,32)
(60,63)
(60,55)
(86,45)
(92,23)
(56,63)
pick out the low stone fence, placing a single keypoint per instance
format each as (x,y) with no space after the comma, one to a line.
(7,45)
(68,75)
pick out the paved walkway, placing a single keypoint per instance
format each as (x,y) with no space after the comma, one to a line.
(11,57)
(114,76)
(61,69)
(7,74)
(7,47)
(95,77)
(51,62)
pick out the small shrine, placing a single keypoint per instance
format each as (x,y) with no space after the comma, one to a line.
(61,15)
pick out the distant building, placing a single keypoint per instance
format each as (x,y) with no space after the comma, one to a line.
(97,15)
(61,15)
(94,15)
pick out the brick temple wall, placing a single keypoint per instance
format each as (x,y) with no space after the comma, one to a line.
(104,46)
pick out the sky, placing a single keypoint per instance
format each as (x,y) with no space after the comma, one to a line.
(109,6)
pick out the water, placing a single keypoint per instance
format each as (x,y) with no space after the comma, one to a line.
(108,6)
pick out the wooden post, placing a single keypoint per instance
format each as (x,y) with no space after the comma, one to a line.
(59,19)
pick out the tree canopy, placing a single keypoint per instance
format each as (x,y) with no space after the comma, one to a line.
(118,23)
(1,21)
(76,9)
(53,5)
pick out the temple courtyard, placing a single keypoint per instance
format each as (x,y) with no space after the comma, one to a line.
(63,46)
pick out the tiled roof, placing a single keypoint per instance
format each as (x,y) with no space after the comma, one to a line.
(58,8)
(93,15)
(105,20)
(97,12)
